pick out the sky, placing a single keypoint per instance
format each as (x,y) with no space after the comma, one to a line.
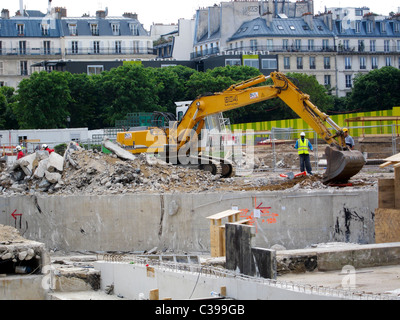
(161,11)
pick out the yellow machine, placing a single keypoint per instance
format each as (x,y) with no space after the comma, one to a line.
(342,163)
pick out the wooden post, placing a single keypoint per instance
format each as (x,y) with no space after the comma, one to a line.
(386,193)
(397,186)
(154,294)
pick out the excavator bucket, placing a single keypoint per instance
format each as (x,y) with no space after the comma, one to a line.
(342,165)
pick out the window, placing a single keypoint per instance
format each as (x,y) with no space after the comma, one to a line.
(23,68)
(2,84)
(253,45)
(348,81)
(346,45)
(232,62)
(94,29)
(312,63)
(280,27)
(347,63)
(134,29)
(95,69)
(361,46)
(270,45)
(22,47)
(20,29)
(118,47)
(256,27)
(251,63)
(383,27)
(1,67)
(96,47)
(46,47)
(386,46)
(388,61)
(372,45)
(327,63)
(292,27)
(1,47)
(374,62)
(299,62)
(398,46)
(270,64)
(74,47)
(310,44)
(369,26)
(396,27)
(45,29)
(285,44)
(135,46)
(286,62)
(115,29)
(297,44)
(327,80)
(72,29)
(358,26)
(363,63)
(325,44)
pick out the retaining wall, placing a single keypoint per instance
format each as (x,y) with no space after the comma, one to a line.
(136,222)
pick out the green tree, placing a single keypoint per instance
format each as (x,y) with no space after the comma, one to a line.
(128,89)
(376,90)
(7,101)
(43,101)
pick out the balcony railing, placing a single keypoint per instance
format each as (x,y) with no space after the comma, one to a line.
(265,50)
(109,51)
(29,52)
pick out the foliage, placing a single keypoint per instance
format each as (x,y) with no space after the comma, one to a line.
(49,100)
(376,90)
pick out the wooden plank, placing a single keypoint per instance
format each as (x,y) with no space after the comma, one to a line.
(395,158)
(154,295)
(397,187)
(387,225)
(224,214)
(386,197)
(386,164)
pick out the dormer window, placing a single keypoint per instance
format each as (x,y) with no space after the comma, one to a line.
(94,29)
(115,29)
(358,26)
(369,26)
(45,29)
(72,29)
(134,29)
(383,27)
(20,29)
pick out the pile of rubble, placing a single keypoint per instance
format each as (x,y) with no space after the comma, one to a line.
(80,171)
(90,172)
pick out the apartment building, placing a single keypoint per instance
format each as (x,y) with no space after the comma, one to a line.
(35,39)
(333,46)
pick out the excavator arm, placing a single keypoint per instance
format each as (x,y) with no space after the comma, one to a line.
(342,162)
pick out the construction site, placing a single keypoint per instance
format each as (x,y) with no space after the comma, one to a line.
(90,225)
(163,213)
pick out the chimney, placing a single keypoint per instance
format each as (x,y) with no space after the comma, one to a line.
(100,14)
(21,8)
(49,7)
(309,19)
(130,15)
(5,14)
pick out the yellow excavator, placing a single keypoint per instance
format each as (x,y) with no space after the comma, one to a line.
(342,163)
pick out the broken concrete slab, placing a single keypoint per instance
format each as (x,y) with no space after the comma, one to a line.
(121,153)
(55,163)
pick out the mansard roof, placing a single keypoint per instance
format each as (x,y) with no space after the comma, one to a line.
(288,27)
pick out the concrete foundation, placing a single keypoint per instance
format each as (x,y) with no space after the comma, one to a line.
(132,222)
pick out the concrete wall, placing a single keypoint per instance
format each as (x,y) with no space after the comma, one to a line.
(133,280)
(133,222)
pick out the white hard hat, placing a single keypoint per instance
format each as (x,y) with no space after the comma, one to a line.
(44,146)
(302,134)
(18,148)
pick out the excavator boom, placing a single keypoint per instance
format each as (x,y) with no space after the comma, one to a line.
(342,162)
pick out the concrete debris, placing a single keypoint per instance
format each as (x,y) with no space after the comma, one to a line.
(91,172)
